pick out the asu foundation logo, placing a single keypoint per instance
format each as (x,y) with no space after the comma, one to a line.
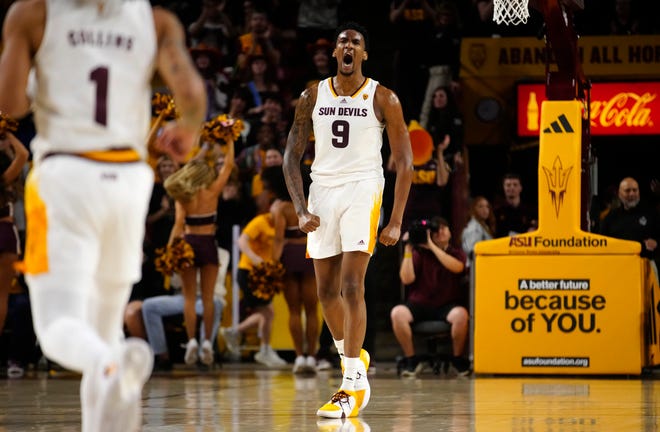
(557,179)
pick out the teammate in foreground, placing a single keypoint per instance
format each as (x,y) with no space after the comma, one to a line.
(87,195)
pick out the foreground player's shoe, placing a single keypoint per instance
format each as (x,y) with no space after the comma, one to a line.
(343,404)
(362,387)
(117,406)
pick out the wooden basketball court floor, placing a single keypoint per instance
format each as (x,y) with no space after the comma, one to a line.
(244,397)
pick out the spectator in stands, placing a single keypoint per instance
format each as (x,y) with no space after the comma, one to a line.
(513,216)
(320,67)
(155,309)
(633,220)
(445,123)
(239,105)
(274,115)
(431,269)
(259,40)
(260,81)
(213,27)
(208,61)
(428,186)
(251,160)
(413,22)
(317,19)
(444,61)
(273,157)
(480,227)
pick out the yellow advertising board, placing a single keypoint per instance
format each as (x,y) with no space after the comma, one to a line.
(562,314)
(559,300)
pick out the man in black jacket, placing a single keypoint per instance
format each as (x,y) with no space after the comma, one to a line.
(632,220)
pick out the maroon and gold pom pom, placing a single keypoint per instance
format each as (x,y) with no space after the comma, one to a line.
(222,129)
(266,279)
(174,257)
(163,106)
(7,124)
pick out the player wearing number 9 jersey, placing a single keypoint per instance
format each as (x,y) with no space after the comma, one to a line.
(88,192)
(348,135)
(347,113)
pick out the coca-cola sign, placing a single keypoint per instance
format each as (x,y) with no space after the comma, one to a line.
(621,108)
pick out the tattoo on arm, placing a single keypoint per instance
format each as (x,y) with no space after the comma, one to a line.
(295,148)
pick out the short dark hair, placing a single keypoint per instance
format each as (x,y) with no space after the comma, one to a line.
(512,176)
(351,25)
(438,221)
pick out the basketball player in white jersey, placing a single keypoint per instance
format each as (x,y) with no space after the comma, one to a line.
(347,114)
(87,194)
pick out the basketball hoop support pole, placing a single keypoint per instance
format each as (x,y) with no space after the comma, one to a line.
(568,82)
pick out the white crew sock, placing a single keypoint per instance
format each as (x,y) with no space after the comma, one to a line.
(351,365)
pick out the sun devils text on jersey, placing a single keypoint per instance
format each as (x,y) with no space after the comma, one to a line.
(348,135)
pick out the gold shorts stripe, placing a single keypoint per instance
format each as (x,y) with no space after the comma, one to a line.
(373,222)
(113,155)
(36,243)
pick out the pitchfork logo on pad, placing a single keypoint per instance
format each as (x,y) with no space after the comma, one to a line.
(557,179)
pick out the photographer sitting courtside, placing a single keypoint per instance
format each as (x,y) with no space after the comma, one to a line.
(431,270)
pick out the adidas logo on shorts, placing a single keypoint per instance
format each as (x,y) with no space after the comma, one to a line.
(361,243)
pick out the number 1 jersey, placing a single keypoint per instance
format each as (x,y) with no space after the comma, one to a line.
(348,135)
(94,74)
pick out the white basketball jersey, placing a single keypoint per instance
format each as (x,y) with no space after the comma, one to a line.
(94,76)
(348,135)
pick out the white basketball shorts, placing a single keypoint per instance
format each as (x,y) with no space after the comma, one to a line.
(349,217)
(86,217)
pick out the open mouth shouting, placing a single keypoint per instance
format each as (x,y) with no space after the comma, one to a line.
(347,62)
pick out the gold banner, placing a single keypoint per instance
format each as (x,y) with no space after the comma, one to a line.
(524,57)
